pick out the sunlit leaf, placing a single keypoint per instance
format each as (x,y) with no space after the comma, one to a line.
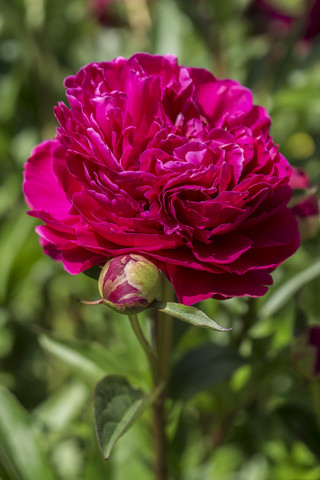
(191,315)
(286,291)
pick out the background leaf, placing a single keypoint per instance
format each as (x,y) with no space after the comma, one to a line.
(303,424)
(201,368)
(20,450)
(285,292)
(89,359)
(62,407)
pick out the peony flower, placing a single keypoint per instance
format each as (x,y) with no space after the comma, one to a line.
(306,209)
(166,162)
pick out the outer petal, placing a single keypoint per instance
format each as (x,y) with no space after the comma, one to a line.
(41,187)
(192,286)
(220,99)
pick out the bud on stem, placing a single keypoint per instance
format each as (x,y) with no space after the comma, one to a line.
(129,283)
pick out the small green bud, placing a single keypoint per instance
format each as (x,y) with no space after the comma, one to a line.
(129,283)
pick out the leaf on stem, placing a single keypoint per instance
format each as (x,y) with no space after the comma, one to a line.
(117,406)
(191,315)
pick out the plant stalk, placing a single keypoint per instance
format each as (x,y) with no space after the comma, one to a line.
(163,325)
(146,347)
(160,441)
(159,359)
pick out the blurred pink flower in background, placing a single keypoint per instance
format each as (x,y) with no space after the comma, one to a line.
(268,14)
(109,13)
(306,209)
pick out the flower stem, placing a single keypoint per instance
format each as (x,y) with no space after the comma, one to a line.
(160,367)
(163,325)
(159,421)
(145,345)
(163,344)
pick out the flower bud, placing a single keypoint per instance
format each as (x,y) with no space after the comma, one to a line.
(129,283)
(306,352)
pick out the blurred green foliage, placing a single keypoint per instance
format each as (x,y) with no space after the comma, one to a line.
(240,411)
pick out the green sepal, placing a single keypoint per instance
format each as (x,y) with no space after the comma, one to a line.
(191,315)
(117,406)
(93,272)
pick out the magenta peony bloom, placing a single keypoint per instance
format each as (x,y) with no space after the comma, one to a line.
(170,163)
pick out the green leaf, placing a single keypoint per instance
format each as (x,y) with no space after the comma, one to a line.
(58,410)
(12,240)
(19,449)
(286,291)
(117,406)
(201,368)
(191,315)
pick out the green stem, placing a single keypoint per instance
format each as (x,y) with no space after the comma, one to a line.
(145,345)
(160,441)
(160,367)
(163,325)
(163,333)
(164,341)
